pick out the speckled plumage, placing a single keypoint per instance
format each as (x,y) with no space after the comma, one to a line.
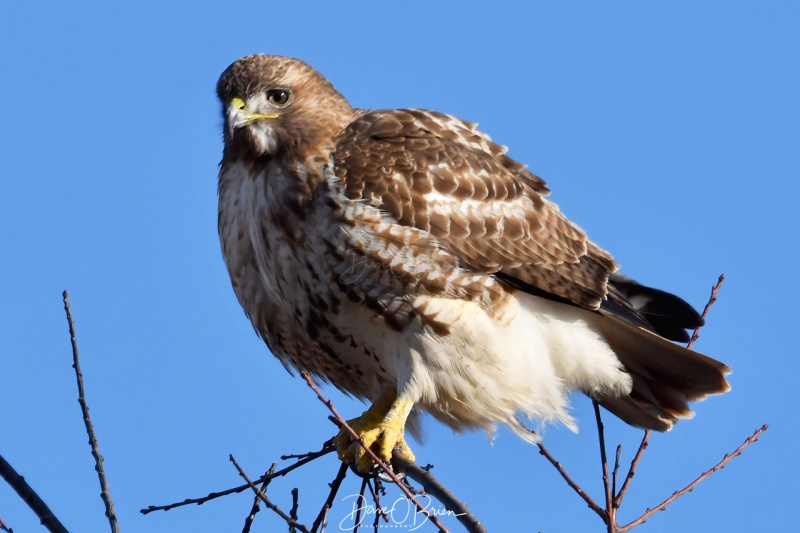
(403,250)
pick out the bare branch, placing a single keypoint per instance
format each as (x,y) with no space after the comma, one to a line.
(324,520)
(327,447)
(263,497)
(582,493)
(614,473)
(711,300)
(645,440)
(433,487)
(29,496)
(614,499)
(632,469)
(383,466)
(199,501)
(331,496)
(98,459)
(357,521)
(377,499)
(306,458)
(295,505)
(436,489)
(248,522)
(4,527)
(663,505)
(609,515)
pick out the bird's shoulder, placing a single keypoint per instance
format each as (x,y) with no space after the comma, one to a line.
(376,141)
(440,174)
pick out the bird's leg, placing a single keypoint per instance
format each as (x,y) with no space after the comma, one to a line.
(382,427)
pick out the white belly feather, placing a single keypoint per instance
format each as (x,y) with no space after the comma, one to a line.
(488,369)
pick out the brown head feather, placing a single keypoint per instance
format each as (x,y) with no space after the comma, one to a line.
(316,111)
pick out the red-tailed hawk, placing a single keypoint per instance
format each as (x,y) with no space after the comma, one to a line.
(403,257)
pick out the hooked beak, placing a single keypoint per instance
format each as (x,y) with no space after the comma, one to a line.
(239,116)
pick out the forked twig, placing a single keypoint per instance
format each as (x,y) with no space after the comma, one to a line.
(306,458)
(646,438)
(383,466)
(263,497)
(613,498)
(675,495)
(610,515)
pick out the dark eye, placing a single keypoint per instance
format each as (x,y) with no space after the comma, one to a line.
(278,97)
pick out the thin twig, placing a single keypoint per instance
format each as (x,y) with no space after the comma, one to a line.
(380,512)
(577,488)
(663,505)
(295,505)
(199,501)
(614,474)
(98,459)
(377,460)
(4,527)
(377,499)
(632,469)
(248,522)
(340,475)
(436,489)
(29,496)
(360,504)
(263,497)
(325,520)
(711,300)
(609,514)
(307,458)
(645,440)
(327,447)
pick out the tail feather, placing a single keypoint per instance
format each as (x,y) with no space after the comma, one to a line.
(666,376)
(639,323)
(643,415)
(653,309)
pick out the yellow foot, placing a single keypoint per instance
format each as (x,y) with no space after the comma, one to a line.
(382,427)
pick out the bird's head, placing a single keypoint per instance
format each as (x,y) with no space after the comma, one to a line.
(274,104)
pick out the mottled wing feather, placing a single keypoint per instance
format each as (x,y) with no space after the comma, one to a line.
(441,175)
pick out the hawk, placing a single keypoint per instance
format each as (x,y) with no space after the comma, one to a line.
(402,256)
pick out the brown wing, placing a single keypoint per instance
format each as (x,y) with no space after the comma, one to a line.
(441,175)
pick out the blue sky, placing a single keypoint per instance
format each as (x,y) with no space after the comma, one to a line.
(669,131)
